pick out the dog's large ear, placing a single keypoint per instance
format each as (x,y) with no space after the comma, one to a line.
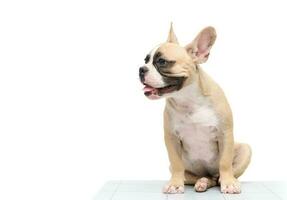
(171,36)
(200,47)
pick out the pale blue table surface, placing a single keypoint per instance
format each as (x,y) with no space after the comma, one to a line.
(151,190)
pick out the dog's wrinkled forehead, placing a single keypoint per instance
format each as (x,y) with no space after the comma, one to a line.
(173,51)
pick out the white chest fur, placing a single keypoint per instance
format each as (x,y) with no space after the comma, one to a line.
(194,121)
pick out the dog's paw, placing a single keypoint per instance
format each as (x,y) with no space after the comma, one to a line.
(201,185)
(173,188)
(230,186)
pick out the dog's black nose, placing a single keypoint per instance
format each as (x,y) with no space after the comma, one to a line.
(142,72)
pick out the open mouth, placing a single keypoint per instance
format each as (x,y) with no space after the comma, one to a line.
(151,91)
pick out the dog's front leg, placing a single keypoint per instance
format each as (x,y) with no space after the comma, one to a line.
(228,183)
(176,182)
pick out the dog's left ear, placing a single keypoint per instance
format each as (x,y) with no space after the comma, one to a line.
(200,47)
(171,36)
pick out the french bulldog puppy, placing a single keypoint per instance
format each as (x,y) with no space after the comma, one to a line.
(198,125)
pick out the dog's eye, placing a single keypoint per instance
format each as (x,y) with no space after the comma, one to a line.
(147,58)
(161,62)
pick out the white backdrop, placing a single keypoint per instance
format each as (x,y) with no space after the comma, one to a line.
(72,113)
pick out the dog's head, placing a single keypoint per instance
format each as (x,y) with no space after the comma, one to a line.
(169,66)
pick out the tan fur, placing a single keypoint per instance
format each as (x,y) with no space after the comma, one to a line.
(234,158)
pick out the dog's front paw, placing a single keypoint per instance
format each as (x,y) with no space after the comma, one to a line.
(230,186)
(174,187)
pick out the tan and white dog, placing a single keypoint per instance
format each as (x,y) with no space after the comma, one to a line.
(198,123)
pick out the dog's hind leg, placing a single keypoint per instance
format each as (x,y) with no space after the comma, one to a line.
(201,184)
(190,178)
(241,160)
(204,183)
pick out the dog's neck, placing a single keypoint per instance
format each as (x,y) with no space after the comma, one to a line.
(189,97)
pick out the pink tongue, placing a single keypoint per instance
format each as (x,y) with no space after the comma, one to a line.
(148,89)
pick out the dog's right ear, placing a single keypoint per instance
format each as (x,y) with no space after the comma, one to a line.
(171,36)
(199,48)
